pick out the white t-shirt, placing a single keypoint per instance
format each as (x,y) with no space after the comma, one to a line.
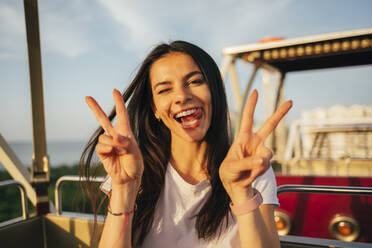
(179,202)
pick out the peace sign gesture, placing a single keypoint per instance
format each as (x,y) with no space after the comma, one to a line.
(117,148)
(248,157)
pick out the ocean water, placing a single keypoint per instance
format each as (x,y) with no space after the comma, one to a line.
(60,152)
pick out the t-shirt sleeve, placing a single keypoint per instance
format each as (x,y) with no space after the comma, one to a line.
(266,185)
(106,185)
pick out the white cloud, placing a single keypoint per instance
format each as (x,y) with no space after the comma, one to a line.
(7,55)
(63,30)
(64,36)
(11,21)
(12,32)
(211,25)
(65,27)
(138,28)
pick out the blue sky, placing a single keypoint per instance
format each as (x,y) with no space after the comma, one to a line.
(90,47)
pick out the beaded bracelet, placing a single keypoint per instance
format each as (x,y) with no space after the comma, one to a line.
(121,213)
(249,205)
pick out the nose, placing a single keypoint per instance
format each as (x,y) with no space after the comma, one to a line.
(182,94)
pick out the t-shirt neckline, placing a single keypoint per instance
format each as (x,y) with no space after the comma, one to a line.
(179,180)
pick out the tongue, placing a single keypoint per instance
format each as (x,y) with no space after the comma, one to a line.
(191,117)
(188,118)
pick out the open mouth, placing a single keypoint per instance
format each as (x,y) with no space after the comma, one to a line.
(189,118)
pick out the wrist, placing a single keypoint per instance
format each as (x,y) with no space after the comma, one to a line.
(122,198)
(108,185)
(248,205)
(241,195)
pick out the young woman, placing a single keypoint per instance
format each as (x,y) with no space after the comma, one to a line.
(176,180)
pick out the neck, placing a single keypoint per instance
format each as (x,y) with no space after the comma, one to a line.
(188,159)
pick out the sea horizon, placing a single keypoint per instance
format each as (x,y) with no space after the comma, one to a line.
(60,152)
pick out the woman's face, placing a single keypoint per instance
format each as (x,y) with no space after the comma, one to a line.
(181,96)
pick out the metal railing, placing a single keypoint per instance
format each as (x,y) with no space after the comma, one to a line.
(298,241)
(281,189)
(351,190)
(63,179)
(22,189)
(290,241)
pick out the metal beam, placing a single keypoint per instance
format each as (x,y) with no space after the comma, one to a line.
(279,145)
(40,162)
(235,84)
(226,61)
(16,169)
(245,97)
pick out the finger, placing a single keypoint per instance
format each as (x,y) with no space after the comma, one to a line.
(100,115)
(121,150)
(246,164)
(248,114)
(117,141)
(274,120)
(258,168)
(254,174)
(103,149)
(264,152)
(122,141)
(106,139)
(103,152)
(121,113)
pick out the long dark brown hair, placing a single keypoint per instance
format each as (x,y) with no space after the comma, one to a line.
(153,138)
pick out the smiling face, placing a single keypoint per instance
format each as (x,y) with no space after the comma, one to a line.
(181,96)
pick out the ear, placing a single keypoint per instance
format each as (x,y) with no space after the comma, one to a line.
(156,113)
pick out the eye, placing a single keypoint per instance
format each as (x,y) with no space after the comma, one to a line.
(196,82)
(163,91)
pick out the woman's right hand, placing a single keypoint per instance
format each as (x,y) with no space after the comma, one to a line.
(117,148)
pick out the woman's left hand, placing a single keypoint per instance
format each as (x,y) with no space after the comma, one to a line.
(248,158)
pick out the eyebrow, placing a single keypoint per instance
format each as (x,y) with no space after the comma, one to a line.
(186,77)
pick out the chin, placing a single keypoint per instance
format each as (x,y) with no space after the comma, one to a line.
(195,136)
